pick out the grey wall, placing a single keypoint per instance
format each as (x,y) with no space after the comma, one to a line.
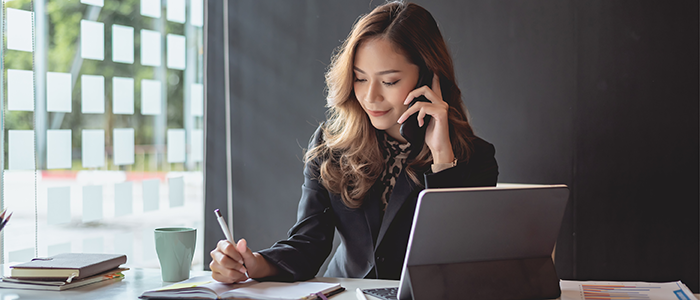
(600,95)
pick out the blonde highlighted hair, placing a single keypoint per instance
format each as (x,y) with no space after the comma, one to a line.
(349,157)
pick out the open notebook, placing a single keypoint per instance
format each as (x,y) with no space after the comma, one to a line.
(204,287)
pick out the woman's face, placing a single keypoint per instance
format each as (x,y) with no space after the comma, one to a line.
(383,79)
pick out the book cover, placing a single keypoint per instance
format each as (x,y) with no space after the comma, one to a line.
(67,265)
(50,285)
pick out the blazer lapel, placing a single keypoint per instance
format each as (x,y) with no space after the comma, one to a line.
(373,207)
(402,189)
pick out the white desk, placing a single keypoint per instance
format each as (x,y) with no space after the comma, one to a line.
(137,281)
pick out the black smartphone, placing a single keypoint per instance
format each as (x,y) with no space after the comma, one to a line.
(410,130)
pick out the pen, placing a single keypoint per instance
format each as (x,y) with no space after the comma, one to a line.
(323,296)
(360,295)
(227,233)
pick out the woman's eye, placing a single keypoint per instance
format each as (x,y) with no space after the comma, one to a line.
(360,80)
(390,83)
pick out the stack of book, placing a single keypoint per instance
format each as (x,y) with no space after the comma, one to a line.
(65,271)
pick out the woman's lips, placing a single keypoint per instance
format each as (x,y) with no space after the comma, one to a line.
(377,113)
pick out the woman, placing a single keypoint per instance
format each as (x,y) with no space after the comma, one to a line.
(361,174)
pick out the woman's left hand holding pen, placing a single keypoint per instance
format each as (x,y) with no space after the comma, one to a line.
(230,263)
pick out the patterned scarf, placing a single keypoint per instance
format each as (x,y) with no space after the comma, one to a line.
(395,155)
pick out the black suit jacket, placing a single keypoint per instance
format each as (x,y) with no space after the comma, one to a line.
(373,245)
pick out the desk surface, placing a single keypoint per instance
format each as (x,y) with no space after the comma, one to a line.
(137,281)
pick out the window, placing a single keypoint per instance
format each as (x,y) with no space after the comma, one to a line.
(102,125)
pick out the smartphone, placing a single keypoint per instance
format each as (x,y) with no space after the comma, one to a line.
(410,130)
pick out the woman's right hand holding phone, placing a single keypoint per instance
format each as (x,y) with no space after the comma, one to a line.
(230,263)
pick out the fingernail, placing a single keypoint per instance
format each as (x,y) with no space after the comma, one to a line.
(240,261)
(242,270)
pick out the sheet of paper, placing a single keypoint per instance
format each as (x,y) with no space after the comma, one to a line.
(20,90)
(58,206)
(151,194)
(176,145)
(197,99)
(123,146)
(150,48)
(197,13)
(93,245)
(197,145)
(59,248)
(150,8)
(92,88)
(151,98)
(176,189)
(176,11)
(99,3)
(124,243)
(176,51)
(19,30)
(123,198)
(92,203)
(59,95)
(93,148)
(122,44)
(21,149)
(58,149)
(123,95)
(609,290)
(276,290)
(92,40)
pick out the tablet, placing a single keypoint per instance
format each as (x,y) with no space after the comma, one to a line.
(464,239)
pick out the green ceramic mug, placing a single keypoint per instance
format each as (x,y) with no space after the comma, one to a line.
(175,248)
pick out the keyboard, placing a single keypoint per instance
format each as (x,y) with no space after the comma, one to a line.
(383,293)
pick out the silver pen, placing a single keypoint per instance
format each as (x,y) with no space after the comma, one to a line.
(227,233)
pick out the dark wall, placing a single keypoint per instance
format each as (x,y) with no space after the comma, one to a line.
(600,95)
(636,166)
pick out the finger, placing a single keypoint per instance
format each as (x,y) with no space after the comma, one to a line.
(226,275)
(245,252)
(242,248)
(421,116)
(225,261)
(230,250)
(411,110)
(436,85)
(421,91)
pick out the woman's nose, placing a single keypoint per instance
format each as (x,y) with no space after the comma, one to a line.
(373,93)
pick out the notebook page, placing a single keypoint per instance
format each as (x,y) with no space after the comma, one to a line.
(281,290)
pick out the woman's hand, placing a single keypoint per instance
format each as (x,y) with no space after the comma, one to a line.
(230,263)
(437,135)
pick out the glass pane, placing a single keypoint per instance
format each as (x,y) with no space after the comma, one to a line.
(110,146)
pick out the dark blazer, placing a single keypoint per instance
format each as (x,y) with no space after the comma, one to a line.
(373,245)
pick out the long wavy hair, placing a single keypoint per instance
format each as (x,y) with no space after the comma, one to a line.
(350,158)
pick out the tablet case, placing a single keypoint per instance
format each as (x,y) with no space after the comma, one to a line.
(516,279)
(484,243)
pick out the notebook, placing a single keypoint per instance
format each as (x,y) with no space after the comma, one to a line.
(60,285)
(204,287)
(67,265)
